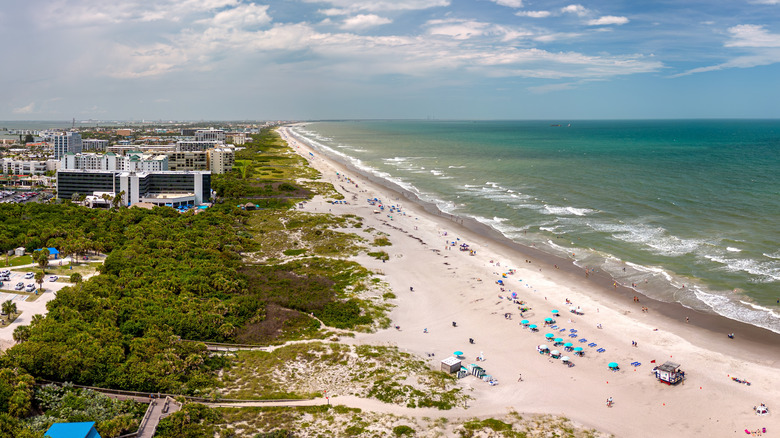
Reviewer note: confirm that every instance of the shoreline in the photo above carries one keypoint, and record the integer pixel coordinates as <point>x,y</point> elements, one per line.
<point>750,338</point>
<point>453,286</point>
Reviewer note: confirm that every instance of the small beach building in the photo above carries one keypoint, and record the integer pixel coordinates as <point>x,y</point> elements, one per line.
<point>450,365</point>
<point>73,430</point>
<point>52,252</point>
<point>669,373</point>
<point>19,251</point>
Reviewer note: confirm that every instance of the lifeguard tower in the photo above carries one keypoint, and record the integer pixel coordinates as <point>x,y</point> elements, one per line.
<point>669,373</point>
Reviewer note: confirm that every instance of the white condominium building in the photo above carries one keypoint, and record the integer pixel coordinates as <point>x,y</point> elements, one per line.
<point>64,142</point>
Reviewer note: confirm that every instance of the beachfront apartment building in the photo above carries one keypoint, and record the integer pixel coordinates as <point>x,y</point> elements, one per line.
<point>197,145</point>
<point>210,134</point>
<point>221,160</point>
<point>189,160</point>
<point>94,144</point>
<point>159,188</point>
<point>133,161</point>
<point>28,167</point>
<point>64,142</point>
<point>238,138</point>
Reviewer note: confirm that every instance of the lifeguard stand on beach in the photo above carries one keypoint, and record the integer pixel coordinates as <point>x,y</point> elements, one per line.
<point>669,373</point>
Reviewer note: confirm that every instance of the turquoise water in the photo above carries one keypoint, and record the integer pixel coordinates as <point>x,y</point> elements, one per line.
<point>659,204</point>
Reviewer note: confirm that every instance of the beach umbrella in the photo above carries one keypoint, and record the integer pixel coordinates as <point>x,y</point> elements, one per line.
<point>543,347</point>
<point>612,365</point>
<point>458,353</point>
<point>565,358</point>
<point>525,321</point>
<point>559,340</point>
<point>548,319</point>
<point>577,349</point>
<point>532,326</point>
<point>554,311</point>
<point>568,344</point>
<point>555,352</point>
<point>549,336</point>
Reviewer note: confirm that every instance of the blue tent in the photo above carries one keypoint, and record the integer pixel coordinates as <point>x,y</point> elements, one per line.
<point>73,430</point>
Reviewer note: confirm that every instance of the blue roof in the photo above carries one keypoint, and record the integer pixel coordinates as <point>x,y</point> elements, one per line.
<point>73,430</point>
<point>52,251</point>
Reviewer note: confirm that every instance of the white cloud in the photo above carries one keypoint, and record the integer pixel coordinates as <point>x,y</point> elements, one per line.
<point>751,35</point>
<point>533,14</point>
<point>575,9</point>
<point>457,29</point>
<point>766,2</point>
<point>27,109</point>
<point>759,45</point>
<point>364,21</point>
<point>608,20</point>
<point>509,3</point>
<point>242,16</point>
<point>383,5</point>
<point>558,36</point>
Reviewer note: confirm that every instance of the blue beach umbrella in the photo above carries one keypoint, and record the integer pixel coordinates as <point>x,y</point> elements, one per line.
<point>558,340</point>
<point>577,349</point>
<point>548,319</point>
<point>532,326</point>
<point>524,322</point>
<point>554,312</point>
<point>612,365</point>
<point>549,335</point>
<point>568,344</point>
<point>458,353</point>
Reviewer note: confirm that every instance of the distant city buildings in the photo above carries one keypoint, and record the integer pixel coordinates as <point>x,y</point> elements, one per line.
<point>132,162</point>
<point>94,144</point>
<point>64,142</point>
<point>210,134</point>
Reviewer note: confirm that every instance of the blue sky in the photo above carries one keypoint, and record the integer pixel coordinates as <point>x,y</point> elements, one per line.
<point>315,59</point>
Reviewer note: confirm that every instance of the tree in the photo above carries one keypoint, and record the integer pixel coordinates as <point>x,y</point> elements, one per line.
<point>9,307</point>
<point>21,333</point>
<point>75,277</point>
<point>42,258</point>
<point>118,199</point>
<point>29,139</point>
<point>39,279</point>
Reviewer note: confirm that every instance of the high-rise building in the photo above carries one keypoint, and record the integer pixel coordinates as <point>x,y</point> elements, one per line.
<point>94,144</point>
<point>210,134</point>
<point>64,142</point>
<point>221,160</point>
<point>160,188</point>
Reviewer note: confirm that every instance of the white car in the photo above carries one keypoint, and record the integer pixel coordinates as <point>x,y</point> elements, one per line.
<point>53,278</point>
<point>29,275</point>
<point>29,288</point>
<point>19,286</point>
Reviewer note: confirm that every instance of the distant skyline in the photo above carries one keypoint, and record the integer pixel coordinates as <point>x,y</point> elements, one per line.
<point>354,59</point>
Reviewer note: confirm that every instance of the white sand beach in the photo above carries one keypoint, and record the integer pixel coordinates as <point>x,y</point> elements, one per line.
<point>451,285</point>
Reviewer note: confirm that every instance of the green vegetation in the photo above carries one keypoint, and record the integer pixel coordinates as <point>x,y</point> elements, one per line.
<point>403,430</point>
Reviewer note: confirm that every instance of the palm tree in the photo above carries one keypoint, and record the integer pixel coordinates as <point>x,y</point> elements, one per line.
<point>9,307</point>
<point>21,333</point>
<point>39,279</point>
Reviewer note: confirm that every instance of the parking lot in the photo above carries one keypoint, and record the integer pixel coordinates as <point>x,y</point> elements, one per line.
<point>27,308</point>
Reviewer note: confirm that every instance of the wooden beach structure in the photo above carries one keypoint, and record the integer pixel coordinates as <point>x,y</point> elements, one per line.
<point>450,365</point>
<point>669,373</point>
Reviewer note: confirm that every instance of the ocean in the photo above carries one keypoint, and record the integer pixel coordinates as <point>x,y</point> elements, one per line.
<point>686,210</point>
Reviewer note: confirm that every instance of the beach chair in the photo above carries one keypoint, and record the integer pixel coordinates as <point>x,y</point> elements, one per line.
<point>553,326</point>
<point>572,335</point>
<point>583,340</point>
<point>573,331</point>
<point>600,350</point>
<point>636,364</point>
<point>592,344</point>
<point>562,330</point>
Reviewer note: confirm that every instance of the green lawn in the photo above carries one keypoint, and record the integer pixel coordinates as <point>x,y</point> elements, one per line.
<point>18,260</point>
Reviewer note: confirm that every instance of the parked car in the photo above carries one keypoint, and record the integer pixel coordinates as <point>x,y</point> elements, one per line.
<point>19,286</point>
<point>53,278</point>
<point>29,275</point>
<point>29,288</point>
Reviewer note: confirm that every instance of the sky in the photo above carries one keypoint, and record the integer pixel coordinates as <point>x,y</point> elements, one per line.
<point>408,59</point>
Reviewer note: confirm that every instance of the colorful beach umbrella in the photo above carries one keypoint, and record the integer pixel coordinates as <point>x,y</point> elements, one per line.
<point>559,340</point>
<point>548,319</point>
<point>612,365</point>
<point>565,358</point>
<point>524,322</point>
<point>568,344</point>
<point>543,347</point>
<point>458,353</point>
<point>577,349</point>
<point>532,326</point>
<point>549,336</point>
<point>554,311</point>
<point>555,352</point>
